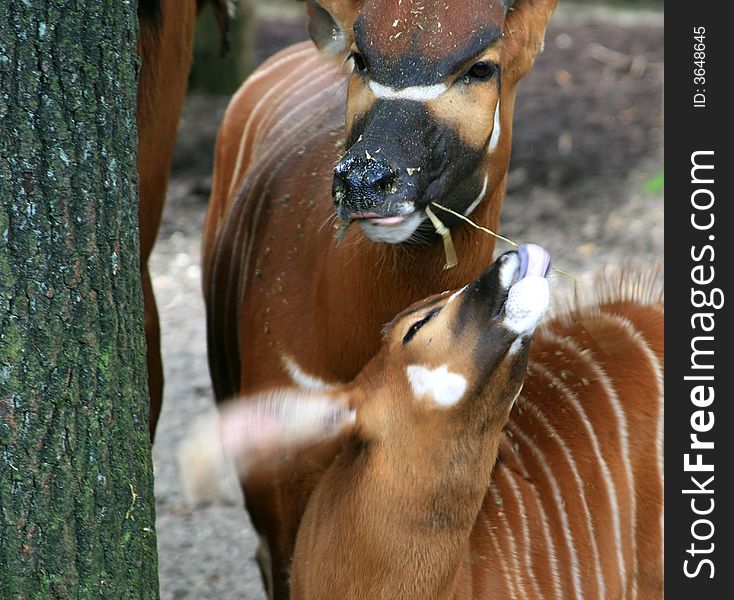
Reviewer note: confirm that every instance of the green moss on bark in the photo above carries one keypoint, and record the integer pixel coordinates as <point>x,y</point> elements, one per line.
<point>76,482</point>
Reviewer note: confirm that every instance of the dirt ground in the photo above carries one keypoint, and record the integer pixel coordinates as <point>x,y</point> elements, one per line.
<point>585,183</point>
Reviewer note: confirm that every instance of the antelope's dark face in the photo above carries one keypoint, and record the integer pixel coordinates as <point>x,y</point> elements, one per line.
<point>429,105</point>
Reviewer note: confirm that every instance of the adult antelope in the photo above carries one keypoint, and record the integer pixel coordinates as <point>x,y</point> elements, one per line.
<point>443,489</point>
<point>412,101</point>
<point>165,45</point>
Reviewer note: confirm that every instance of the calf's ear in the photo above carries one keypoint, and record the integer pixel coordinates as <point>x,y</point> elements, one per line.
<point>257,429</point>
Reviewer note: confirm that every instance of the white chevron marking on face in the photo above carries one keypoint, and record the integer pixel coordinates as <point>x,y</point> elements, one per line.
<point>476,202</point>
<point>440,385</point>
<point>421,93</point>
<point>455,295</point>
<point>495,139</point>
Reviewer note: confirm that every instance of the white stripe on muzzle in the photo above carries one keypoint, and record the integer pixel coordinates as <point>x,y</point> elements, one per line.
<point>422,93</point>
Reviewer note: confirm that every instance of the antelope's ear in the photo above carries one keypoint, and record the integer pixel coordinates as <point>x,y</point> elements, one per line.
<point>256,429</point>
<point>523,34</point>
<point>330,24</point>
<point>223,10</point>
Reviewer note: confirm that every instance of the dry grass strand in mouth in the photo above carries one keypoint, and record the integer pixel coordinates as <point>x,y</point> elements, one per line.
<point>452,259</point>
<point>448,244</point>
<point>473,224</point>
<point>435,219</point>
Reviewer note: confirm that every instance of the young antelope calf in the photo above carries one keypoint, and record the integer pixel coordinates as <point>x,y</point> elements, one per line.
<point>454,480</point>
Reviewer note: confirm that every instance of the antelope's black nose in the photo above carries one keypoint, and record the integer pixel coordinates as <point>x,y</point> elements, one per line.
<point>363,183</point>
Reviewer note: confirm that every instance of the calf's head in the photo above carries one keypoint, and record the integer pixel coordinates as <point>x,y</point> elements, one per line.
<point>449,366</point>
<point>430,102</point>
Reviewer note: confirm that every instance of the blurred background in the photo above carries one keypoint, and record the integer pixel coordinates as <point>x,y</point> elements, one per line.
<point>586,181</point>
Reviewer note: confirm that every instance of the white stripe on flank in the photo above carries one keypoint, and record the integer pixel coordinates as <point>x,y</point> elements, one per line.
<point>501,557</point>
<point>274,118</point>
<point>643,344</point>
<point>603,379</point>
<point>266,100</point>
<point>554,434</point>
<point>495,139</point>
<point>265,70</point>
<point>560,505</point>
<point>637,337</point>
<point>421,93</point>
<point>550,544</point>
<point>520,503</point>
<point>585,422</point>
<point>269,165</point>
<point>517,582</point>
<point>476,202</point>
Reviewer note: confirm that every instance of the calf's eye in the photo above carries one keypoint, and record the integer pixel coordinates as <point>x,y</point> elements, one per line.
<point>418,324</point>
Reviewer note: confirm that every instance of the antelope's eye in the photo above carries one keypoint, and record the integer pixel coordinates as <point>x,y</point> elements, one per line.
<point>359,63</point>
<point>418,324</point>
<point>481,71</point>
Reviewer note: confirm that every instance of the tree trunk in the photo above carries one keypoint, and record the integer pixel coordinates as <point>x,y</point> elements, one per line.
<point>76,480</point>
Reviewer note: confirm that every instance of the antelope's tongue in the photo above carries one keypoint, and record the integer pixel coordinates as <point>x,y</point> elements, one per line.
<point>534,261</point>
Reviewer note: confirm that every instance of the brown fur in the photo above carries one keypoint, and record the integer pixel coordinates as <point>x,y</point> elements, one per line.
<point>557,496</point>
<point>422,504</point>
<point>275,284</point>
<point>434,27</point>
<point>165,45</point>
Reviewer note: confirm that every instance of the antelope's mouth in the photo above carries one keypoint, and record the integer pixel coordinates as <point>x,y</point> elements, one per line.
<point>393,226</point>
<point>534,262</point>
<point>392,212</point>
<point>524,276</point>
<point>375,219</point>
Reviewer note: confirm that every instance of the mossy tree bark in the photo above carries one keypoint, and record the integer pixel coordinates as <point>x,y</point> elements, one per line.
<point>76,481</point>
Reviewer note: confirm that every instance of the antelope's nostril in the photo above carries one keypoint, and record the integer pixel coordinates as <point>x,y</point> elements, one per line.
<point>383,180</point>
<point>370,175</point>
<point>338,187</point>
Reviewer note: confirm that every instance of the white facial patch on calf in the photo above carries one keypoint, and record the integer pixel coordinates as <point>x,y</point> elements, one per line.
<point>440,385</point>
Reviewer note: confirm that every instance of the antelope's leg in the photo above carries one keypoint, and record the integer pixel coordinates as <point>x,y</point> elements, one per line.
<point>165,46</point>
